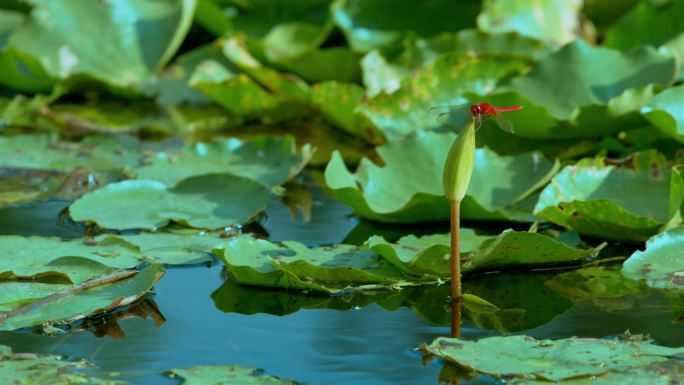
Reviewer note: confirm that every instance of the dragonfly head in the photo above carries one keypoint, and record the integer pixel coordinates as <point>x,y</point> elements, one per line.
<point>476,110</point>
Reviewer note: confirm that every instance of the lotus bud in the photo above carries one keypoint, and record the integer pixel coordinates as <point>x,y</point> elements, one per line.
<point>458,168</point>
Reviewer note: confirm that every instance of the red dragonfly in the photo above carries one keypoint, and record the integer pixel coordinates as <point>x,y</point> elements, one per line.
<point>479,112</point>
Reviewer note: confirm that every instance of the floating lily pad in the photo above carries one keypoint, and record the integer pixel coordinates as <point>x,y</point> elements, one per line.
<point>134,53</point>
<point>292,265</point>
<point>227,375</point>
<point>45,152</point>
<point>408,189</point>
<point>629,201</point>
<point>15,294</point>
<point>94,297</point>
<point>593,283</point>
<point>524,357</point>
<point>430,254</point>
<point>662,263</point>
<point>443,81</point>
<point>269,160</point>
<point>176,248</point>
<point>76,260</point>
<point>32,369</point>
<point>560,24</point>
<point>207,201</point>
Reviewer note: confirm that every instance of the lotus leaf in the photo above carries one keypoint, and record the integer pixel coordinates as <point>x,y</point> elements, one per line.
<point>661,263</point>
<point>227,375</point>
<point>382,23</point>
<point>566,97</point>
<point>429,255</point>
<point>86,299</point>
<point>346,97</point>
<point>626,201</point>
<point>471,41</point>
<point>134,53</point>
<point>665,112</point>
<point>45,152</point>
<point>524,357</point>
<point>31,369</point>
<point>76,260</point>
<point>408,188</point>
<point>268,160</point>
<point>559,24</point>
<point>443,81</point>
<point>206,201</point>
<point>379,76</point>
<point>176,248</point>
<point>636,28</point>
<point>292,265</point>
<point>15,294</point>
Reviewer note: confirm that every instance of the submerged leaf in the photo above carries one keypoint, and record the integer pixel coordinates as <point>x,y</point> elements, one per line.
<point>662,263</point>
<point>408,189</point>
<point>227,375</point>
<point>524,357</point>
<point>629,201</point>
<point>207,201</point>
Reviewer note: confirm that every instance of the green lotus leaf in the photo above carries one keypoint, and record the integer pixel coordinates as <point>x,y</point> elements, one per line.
<point>408,189</point>
<point>441,82</point>
<point>289,41</point>
<point>77,260</point>
<point>661,263</point>
<point>560,24</point>
<point>571,78</point>
<point>429,255</point>
<point>206,201</point>
<point>291,265</point>
<point>658,373</point>
<point>629,201</point>
<point>32,369</point>
<point>550,360</point>
<point>15,294</point>
<point>236,92</point>
<point>379,76</point>
<point>134,52</point>
<point>636,28</point>
<point>24,75</point>
<point>325,64</point>
<point>269,160</point>
<point>26,186</point>
<point>283,86</point>
<point>665,112</point>
<point>338,102</point>
<point>382,24</point>
<point>86,299</point>
<point>226,375</point>
<point>45,152</point>
<point>471,41</point>
<point>620,113</point>
<point>180,247</point>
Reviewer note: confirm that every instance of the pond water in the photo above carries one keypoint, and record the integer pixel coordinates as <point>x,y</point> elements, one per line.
<point>361,346</point>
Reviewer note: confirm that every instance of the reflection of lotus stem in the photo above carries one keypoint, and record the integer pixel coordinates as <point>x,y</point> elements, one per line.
<point>455,260</point>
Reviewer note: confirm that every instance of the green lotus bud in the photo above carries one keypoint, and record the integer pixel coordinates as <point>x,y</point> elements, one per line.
<point>459,164</point>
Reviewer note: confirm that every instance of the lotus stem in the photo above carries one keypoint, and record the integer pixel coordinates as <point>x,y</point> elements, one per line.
<point>455,260</point>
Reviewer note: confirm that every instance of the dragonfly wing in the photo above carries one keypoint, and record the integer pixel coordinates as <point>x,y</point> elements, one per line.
<point>451,115</point>
<point>504,124</point>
